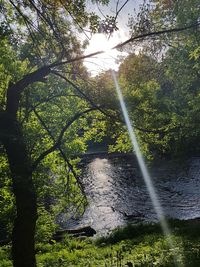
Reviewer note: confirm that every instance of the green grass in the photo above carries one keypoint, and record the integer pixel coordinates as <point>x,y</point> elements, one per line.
<point>141,245</point>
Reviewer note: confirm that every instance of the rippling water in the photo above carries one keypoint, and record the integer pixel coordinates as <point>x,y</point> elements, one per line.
<point>117,194</point>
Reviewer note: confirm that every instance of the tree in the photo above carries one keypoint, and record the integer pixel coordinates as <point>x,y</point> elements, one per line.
<point>48,37</point>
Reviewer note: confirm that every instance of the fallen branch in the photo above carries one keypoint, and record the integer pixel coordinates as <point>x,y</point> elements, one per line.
<point>81,231</point>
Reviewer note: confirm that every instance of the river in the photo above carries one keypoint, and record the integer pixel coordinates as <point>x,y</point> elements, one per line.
<point>117,194</point>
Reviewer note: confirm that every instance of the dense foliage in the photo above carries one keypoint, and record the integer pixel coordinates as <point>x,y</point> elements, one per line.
<point>160,82</point>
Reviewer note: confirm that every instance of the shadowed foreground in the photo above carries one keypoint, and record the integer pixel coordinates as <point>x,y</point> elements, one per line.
<point>141,245</point>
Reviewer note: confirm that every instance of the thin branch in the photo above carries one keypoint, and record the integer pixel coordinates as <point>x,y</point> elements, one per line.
<point>46,100</point>
<point>114,118</point>
<point>75,20</point>
<point>70,166</point>
<point>118,11</point>
<point>56,64</point>
<point>57,143</point>
<point>97,4</point>
<point>34,38</point>
<point>29,22</point>
<point>25,18</point>
<point>80,92</point>
<point>49,23</point>
<point>14,91</point>
<point>117,6</point>
<point>150,34</point>
<point>134,38</point>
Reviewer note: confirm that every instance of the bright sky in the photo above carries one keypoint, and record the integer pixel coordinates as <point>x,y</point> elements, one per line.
<point>100,42</point>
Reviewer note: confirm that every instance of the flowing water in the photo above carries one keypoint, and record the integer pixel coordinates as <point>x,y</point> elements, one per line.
<point>117,193</point>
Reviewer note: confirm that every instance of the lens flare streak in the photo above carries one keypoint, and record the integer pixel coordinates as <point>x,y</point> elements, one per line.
<point>147,179</point>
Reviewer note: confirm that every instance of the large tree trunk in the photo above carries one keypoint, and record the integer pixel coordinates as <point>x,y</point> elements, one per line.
<point>23,251</point>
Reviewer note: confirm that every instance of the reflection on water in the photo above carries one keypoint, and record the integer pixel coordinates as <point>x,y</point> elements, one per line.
<point>117,194</point>
<point>102,195</point>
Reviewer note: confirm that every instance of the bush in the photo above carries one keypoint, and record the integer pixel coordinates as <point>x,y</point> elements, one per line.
<point>45,226</point>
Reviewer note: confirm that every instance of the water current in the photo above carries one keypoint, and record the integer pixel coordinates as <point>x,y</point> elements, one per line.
<point>117,194</point>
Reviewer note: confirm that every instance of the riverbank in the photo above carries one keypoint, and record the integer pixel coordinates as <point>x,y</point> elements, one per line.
<point>133,245</point>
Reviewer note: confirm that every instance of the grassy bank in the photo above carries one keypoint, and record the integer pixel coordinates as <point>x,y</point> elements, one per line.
<point>141,245</point>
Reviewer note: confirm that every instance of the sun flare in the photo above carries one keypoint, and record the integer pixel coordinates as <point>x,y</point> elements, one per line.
<point>106,60</point>
<point>100,42</point>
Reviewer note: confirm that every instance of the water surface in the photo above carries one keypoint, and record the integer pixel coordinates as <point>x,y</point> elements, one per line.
<point>117,194</point>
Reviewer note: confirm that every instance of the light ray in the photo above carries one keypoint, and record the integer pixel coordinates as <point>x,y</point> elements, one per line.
<point>147,179</point>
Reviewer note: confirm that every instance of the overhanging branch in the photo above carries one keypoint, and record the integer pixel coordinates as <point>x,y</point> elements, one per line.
<point>134,38</point>
<point>150,34</point>
<point>70,166</point>
<point>88,99</point>
<point>15,90</point>
<point>57,143</point>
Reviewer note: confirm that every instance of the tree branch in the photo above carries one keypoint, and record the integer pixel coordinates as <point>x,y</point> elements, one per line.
<point>14,90</point>
<point>57,143</point>
<point>70,166</point>
<point>80,92</point>
<point>46,100</point>
<point>150,34</point>
<point>134,38</point>
<point>114,118</point>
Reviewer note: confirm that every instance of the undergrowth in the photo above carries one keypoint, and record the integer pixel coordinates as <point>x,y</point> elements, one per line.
<point>141,245</point>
